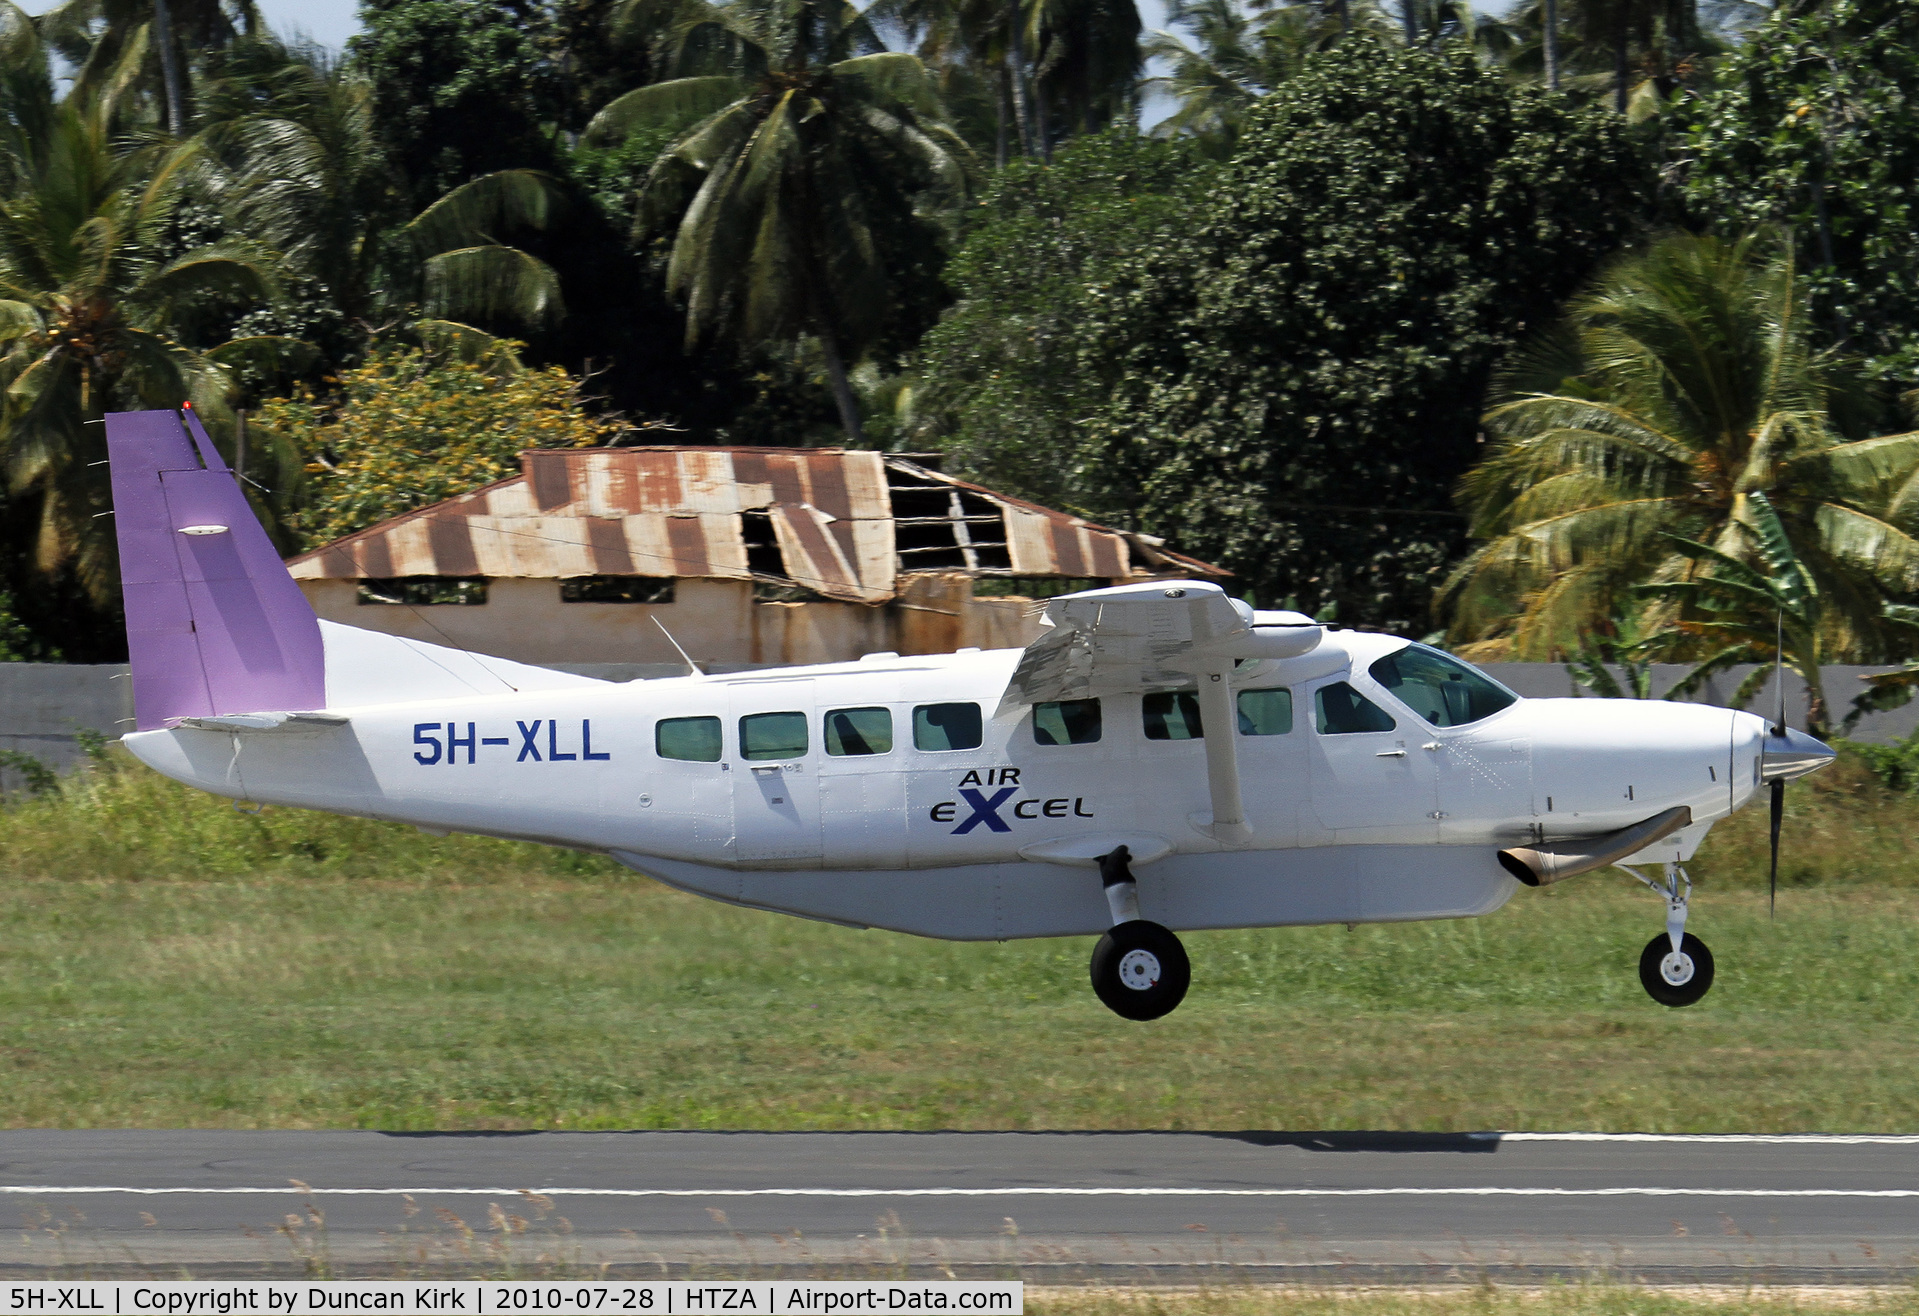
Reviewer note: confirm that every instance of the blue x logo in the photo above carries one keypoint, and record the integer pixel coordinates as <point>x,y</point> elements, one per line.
<point>984,811</point>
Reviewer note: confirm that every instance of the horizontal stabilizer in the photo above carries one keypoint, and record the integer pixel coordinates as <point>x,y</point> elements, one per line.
<point>280,722</point>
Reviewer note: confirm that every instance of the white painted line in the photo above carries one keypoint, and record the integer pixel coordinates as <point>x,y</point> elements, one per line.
<point>1784,1139</point>
<point>49,1190</point>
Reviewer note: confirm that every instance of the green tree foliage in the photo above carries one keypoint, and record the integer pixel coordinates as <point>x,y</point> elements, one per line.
<point>90,304</point>
<point>1232,59</point>
<point>411,427</point>
<point>461,88</point>
<point>1007,378</point>
<point>1814,123</point>
<point>803,134</point>
<point>288,154</point>
<point>1293,387</point>
<point>104,40</point>
<point>1760,606</point>
<point>1685,382</point>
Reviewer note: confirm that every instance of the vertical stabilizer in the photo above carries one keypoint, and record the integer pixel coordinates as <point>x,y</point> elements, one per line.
<point>214,622</point>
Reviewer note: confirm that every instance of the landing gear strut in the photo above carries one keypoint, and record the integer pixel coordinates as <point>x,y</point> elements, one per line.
<point>1140,970</point>
<point>1675,968</point>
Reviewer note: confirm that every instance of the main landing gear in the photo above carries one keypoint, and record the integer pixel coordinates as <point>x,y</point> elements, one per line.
<point>1140,970</point>
<point>1675,968</point>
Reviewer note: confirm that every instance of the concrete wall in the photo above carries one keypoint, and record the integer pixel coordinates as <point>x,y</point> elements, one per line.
<point>717,621</point>
<point>1550,681</point>
<point>42,705</point>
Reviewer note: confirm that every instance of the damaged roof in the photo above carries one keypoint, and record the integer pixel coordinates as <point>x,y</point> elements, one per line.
<point>845,524</point>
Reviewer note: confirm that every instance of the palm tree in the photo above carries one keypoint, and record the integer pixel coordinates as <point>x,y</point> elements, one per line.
<point>1745,611</point>
<point>1633,52</point>
<point>287,152</point>
<point>1235,58</point>
<point>90,301</point>
<point>1682,384</point>
<point>96,35</point>
<point>795,112</point>
<point>1088,62</point>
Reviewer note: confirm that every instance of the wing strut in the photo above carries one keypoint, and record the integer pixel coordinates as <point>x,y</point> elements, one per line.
<point>1220,719</point>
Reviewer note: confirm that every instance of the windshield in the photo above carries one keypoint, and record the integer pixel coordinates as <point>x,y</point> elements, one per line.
<point>1441,689</point>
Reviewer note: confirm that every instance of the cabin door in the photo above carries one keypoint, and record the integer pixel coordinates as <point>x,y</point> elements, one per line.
<point>1374,780</point>
<point>776,784</point>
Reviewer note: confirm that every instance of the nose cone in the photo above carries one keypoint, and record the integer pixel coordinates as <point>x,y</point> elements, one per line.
<point>1788,754</point>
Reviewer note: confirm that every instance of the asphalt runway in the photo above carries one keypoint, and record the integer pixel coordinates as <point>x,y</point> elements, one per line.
<point>1170,1207</point>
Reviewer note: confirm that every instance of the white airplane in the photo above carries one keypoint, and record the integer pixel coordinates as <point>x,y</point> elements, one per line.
<point>1162,757</point>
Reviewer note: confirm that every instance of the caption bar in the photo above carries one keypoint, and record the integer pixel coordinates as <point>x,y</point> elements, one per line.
<point>517,1297</point>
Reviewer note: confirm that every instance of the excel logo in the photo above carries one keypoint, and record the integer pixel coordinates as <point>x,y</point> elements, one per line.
<point>990,811</point>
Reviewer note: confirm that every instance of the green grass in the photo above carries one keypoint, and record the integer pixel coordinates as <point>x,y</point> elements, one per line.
<point>165,961</point>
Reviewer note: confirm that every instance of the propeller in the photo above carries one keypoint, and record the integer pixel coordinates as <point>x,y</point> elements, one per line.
<point>1778,815</point>
<point>1778,783</point>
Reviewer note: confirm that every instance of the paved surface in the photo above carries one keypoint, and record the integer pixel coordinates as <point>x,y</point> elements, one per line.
<point>1055,1205</point>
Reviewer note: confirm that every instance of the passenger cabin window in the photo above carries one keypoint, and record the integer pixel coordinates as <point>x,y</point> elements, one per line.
<point>1066,722</point>
<point>1171,715</point>
<point>947,726</point>
<point>1439,688</point>
<point>773,736</point>
<point>694,739</point>
<point>1265,712</point>
<point>852,731</point>
<point>1343,711</point>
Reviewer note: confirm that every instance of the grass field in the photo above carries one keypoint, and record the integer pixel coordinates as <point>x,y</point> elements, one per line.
<point>165,961</point>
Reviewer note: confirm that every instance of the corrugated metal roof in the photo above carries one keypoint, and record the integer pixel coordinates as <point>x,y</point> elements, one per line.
<point>845,524</point>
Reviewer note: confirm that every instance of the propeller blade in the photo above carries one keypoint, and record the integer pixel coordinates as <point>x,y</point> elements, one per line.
<point>1778,815</point>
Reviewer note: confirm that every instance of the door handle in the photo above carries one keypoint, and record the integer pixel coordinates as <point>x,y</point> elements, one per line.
<point>1390,754</point>
<point>764,769</point>
<point>1431,744</point>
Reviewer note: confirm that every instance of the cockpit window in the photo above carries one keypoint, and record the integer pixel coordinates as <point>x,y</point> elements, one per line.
<point>1441,689</point>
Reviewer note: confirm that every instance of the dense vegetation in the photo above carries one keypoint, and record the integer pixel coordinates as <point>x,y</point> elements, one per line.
<point>1585,324</point>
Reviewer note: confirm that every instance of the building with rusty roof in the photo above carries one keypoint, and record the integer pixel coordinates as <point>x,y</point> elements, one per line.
<point>746,556</point>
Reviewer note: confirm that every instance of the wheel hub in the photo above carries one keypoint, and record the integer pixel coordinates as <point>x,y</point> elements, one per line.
<point>1139,969</point>
<point>1676,968</point>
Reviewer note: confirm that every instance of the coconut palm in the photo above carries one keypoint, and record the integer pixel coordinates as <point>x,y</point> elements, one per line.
<point>1233,59</point>
<point>1683,383</point>
<point>795,115</point>
<point>1630,52</point>
<point>90,301</point>
<point>1768,610</point>
<point>95,36</point>
<point>1087,63</point>
<point>287,152</point>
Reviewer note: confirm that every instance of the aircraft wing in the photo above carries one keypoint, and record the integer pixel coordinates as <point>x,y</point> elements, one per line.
<point>1144,637</point>
<point>1168,633</point>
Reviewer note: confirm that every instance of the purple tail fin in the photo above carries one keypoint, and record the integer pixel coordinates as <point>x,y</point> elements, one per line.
<point>214,622</point>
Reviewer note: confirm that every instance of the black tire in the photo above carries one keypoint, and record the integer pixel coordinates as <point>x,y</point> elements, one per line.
<point>1162,960</point>
<point>1655,983</point>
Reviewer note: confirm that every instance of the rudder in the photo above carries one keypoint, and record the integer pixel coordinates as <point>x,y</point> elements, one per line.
<point>215,624</point>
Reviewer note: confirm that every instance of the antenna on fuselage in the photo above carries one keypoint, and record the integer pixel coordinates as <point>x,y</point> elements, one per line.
<point>692,666</point>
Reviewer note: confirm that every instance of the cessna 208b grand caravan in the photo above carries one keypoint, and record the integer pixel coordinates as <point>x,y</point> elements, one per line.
<point>1162,757</point>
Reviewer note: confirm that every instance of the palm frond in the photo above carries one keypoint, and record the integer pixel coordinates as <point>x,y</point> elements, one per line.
<point>668,104</point>
<point>487,210</point>
<point>493,283</point>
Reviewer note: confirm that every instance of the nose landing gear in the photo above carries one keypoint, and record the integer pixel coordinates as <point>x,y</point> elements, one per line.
<point>1139,968</point>
<point>1675,968</point>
